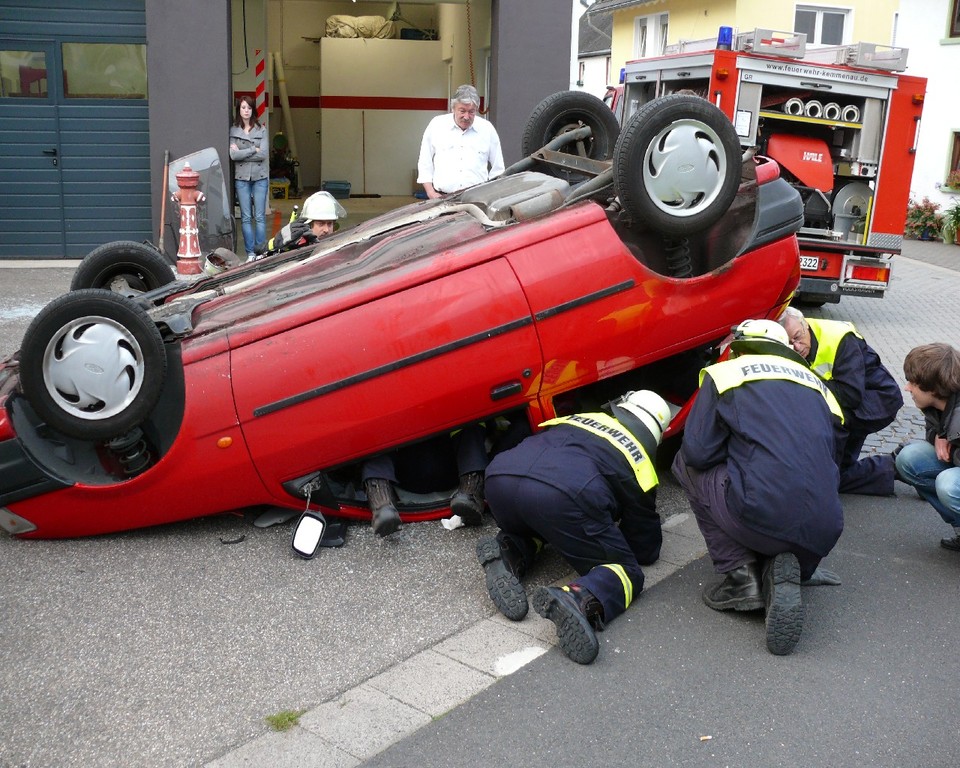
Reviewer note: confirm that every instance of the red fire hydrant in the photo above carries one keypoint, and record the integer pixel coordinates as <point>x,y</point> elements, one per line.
<point>188,196</point>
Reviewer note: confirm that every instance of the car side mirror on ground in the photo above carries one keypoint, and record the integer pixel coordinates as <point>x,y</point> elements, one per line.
<point>308,533</point>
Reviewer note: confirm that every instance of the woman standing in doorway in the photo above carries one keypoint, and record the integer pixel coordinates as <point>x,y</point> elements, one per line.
<point>251,172</point>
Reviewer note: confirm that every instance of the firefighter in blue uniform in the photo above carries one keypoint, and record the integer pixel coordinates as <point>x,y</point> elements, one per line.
<point>569,486</point>
<point>867,392</point>
<point>758,463</point>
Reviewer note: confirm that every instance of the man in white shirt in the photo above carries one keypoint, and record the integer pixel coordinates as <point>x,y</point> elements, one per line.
<point>458,148</point>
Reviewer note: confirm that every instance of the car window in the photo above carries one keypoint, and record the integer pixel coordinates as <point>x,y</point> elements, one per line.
<point>393,250</point>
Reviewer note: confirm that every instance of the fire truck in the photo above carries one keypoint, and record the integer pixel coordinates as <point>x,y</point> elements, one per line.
<point>841,122</point>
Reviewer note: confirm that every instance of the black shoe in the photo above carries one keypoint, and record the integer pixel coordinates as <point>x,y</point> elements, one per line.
<point>468,500</point>
<point>785,611</point>
<point>571,614</point>
<point>739,591</point>
<point>385,518</point>
<point>503,586</point>
<point>951,542</point>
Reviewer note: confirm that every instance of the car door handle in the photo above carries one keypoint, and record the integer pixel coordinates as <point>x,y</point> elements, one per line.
<point>51,151</point>
<point>505,390</point>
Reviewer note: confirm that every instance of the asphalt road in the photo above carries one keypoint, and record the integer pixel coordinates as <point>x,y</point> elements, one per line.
<point>169,646</point>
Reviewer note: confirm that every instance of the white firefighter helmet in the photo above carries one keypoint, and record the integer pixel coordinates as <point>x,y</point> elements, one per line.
<point>763,337</point>
<point>322,206</point>
<point>761,329</point>
<point>220,260</point>
<point>650,408</point>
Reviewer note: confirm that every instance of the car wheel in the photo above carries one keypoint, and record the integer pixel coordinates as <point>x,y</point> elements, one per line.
<point>567,111</point>
<point>124,267</point>
<point>677,165</point>
<point>92,364</point>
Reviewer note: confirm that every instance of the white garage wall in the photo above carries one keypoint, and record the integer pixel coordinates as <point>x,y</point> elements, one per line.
<point>376,149</point>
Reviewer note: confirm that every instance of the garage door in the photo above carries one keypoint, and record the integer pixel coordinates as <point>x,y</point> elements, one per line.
<point>74,133</point>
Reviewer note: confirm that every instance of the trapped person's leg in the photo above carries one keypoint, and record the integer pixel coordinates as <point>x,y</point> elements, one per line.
<point>472,460</point>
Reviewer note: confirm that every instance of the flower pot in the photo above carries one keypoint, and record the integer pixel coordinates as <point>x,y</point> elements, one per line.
<point>926,234</point>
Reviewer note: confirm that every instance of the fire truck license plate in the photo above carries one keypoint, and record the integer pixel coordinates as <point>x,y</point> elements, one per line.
<point>809,262</point>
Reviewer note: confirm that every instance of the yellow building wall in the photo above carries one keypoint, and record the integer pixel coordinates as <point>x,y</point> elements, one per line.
<point>697,20</point>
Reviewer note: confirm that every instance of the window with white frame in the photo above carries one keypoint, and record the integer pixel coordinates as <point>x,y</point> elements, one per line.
<point>823,26</point>
<point>650,35</point>
<point>953,174</point>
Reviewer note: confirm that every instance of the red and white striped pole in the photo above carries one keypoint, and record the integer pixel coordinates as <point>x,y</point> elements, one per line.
<point>261,97</point>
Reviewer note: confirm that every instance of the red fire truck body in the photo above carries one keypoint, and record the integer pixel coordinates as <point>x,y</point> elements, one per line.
<point>840,121</point>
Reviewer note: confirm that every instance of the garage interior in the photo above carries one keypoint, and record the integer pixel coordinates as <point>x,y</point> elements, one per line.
<point>352,85</point>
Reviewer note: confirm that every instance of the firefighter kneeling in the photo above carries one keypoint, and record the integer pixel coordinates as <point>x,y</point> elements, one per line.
<point>758,463</point>
<point>569,486</point>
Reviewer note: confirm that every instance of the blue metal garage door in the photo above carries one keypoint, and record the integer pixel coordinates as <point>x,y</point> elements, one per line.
<point>74,132</point>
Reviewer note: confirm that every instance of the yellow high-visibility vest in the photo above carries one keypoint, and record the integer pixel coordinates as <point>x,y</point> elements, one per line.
<point>740,370</point>
<point>611,430</point>
<point>829,334</point>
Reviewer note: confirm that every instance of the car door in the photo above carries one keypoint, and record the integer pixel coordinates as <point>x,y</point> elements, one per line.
<point>591,301</point>
<point>410,363</point>
<point>31,196</point>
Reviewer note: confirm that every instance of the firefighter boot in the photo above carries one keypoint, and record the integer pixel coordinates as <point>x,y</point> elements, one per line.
<point>739,591</point>
<point>502,577</point>
<point>385,518</point>
<point>578,616</point>
<point>468,500</point>
<point>785,611</point>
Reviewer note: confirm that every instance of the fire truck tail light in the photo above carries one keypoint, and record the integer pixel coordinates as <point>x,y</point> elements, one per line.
<point>918,98</point>
<point>722,73</point>
<point>868,274</point>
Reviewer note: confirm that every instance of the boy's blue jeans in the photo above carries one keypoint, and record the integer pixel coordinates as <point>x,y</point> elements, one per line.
<point>937,481</point>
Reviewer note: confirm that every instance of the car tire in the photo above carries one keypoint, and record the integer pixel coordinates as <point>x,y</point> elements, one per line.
<point>677,165</point>
<point>92,364</point>
<point>567,111</point>
<point>125,267</point>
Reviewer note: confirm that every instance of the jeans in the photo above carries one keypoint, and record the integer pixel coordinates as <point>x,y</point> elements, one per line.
<point>937,481</point>
<point>252,198</point>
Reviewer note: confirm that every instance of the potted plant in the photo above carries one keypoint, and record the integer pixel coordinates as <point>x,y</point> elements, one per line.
<point>951,223</point>
<point>923,219</point>
<point>953,180</point>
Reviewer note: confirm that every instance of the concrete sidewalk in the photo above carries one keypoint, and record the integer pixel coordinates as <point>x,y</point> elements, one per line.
<point>367,719</point>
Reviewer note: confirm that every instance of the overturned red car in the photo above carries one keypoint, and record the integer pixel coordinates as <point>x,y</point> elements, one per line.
<point>602,262</point>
